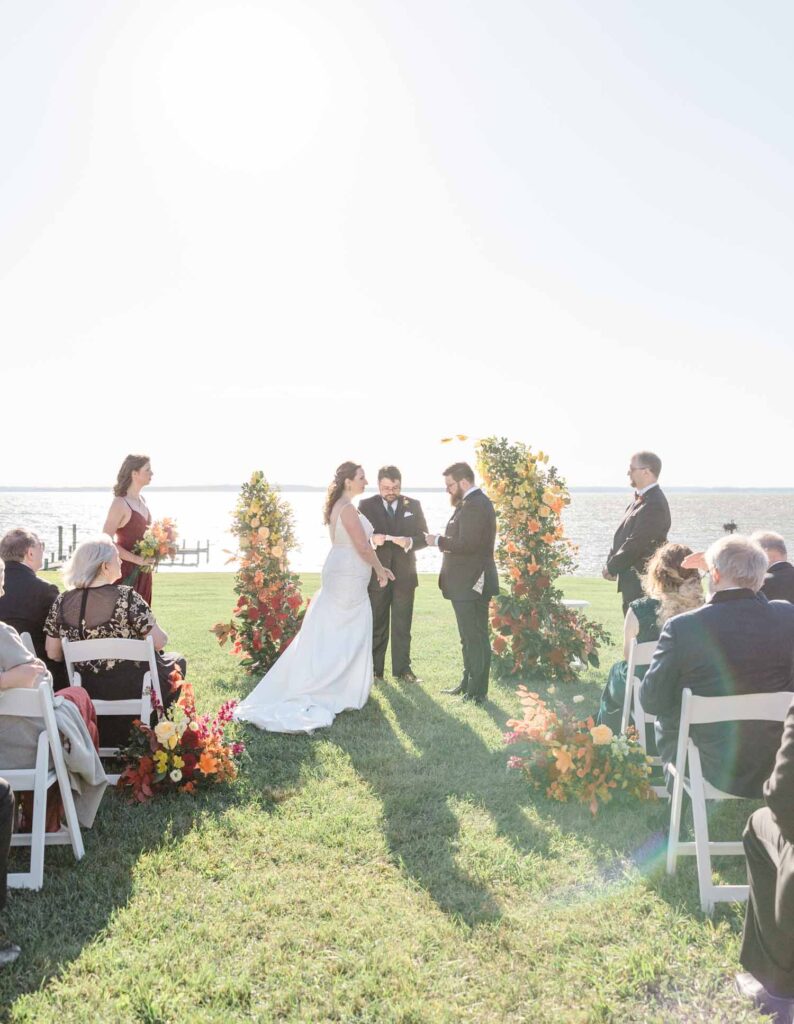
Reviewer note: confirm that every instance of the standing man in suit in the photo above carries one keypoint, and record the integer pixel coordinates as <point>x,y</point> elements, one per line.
<point>27,599</point>
<point>468,575</point>
<point>402,520</point>
<point>736,643</point>
<point>779,579</point>
<point>768,940</point>
<point>642,530</point>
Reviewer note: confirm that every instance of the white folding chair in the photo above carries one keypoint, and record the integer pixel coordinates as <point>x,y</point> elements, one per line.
<point>642,721</point>
<point>640,655</point>
<point>117,649</point>
<point>38,704</point>
<point>765,707</point>
<point>27,640</point>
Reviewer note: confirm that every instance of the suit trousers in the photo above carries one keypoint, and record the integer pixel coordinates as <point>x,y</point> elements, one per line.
<point>631,588</point>
<point>472,618</point>
<point>6,825</point>
<point>768,939</point>
<point>395,603</point>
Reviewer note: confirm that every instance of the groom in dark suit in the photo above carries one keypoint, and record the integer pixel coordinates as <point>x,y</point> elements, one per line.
<point>402,519</point>
<point>468,575</point>
<point>642,530</point>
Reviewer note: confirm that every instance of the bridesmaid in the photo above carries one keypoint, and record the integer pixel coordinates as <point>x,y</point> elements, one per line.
<point>128,519</point>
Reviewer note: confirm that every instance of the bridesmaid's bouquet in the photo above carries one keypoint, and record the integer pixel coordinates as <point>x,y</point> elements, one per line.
<point>184,752</point>
<point>158,542</point>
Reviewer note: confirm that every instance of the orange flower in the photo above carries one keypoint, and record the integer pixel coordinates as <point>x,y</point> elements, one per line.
<point>533,526</point>
<point>549,538</point>
<point>533,567</point>
<point>564,760</point>
<point>208,764</point>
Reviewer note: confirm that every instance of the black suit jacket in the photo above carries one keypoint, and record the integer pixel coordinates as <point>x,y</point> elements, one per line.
<point>468,548</point>
<point>25,606</point>
<point>779,796</point>
<point>779,582</point>
<point>409,521</point>
<point>737,643</point>
<point>642,530</point>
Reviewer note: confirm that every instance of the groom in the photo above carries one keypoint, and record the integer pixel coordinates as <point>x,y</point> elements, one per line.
<point>403,521</point>
<point>468,575</point>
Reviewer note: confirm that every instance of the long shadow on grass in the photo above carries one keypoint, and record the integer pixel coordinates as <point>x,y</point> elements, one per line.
<point>449,760</point>
<point>78,900</point>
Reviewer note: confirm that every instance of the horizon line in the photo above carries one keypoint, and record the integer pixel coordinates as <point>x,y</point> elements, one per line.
<point>234,488</point>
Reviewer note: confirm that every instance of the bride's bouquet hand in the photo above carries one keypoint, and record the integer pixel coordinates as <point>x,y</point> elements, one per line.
<point>384,575</point>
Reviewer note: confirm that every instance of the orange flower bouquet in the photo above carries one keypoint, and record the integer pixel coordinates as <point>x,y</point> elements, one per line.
<point>185,751</point>
<point>158,542</point>
<point>576,760</point>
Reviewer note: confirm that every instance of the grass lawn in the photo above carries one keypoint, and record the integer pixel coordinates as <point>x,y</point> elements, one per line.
<point>387,869</point>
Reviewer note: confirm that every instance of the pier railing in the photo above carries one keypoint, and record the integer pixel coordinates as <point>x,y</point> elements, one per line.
<point>185,556</point>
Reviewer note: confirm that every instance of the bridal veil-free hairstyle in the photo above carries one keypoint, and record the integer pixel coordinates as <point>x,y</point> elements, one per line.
<point>337,486</point>
<point>86,561</point>
<point>128,467</point>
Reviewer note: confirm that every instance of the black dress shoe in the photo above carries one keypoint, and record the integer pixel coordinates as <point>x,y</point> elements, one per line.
<point>750,987</point>
<point>408,677</point>
<point>455,691</point>
<point>377,679</point>
<point>8,951</point>
<point>472,699</point>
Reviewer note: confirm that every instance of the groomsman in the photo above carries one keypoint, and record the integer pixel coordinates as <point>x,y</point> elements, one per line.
<point>779,579</point>
<point>402,519</point>
<point>642,530</point>
<point>468,575</point>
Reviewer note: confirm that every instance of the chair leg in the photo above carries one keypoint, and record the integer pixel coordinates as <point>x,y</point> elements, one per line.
<point>39,815</point>
<point>675,823</point>
<point>703,856</point>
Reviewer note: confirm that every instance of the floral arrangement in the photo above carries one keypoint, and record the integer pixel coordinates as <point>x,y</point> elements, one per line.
<point>269,608</point>
<point>576,760</point>
<point>536,635</point>
<point>185,751</point>
<point>158,542</point>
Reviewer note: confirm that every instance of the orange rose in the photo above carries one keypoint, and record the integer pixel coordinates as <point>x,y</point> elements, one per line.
<point>208,764</point>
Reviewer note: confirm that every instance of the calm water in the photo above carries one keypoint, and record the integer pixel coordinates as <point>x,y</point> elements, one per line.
<point>206,515</point>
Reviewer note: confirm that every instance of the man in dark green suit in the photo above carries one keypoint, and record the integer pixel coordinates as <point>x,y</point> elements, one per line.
<point>468,575</point>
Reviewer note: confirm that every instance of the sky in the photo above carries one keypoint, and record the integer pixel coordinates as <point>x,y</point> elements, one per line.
<point>286,233</point>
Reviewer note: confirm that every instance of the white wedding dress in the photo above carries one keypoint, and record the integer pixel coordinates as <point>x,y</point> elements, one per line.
<point>328,666</point>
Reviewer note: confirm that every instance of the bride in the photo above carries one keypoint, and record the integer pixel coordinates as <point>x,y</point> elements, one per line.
<point>328,666</point>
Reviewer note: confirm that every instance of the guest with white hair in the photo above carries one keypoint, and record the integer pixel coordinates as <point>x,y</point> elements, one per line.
<point>95,607</point>
<point>779,579</point>
<point>738,642</point>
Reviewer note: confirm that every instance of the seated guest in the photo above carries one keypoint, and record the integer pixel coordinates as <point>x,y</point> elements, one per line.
<point>671,590</point>
<point>779,579</point>
<point>738,642</point>
<point>768,940</point>
<point>76,720</point>
<point>8,951</point>
<point>27,599</point>
<point>96,607</point>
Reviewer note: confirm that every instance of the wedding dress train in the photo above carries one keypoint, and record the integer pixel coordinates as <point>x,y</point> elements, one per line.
<point>328,666</point>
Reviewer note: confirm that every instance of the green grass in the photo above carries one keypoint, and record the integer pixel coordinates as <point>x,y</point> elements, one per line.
<point>387,869</point>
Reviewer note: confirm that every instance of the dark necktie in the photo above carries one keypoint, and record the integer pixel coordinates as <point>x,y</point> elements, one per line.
<point>391,511</point>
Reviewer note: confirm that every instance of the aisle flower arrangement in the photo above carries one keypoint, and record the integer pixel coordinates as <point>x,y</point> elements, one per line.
<point>158,542</point>
<point>184,752</point>
<point>535,634</point>
<point>578,761</point>
<point>269,608</point>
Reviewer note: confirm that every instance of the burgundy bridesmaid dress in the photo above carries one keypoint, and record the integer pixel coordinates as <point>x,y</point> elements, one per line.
<point>127,537</point>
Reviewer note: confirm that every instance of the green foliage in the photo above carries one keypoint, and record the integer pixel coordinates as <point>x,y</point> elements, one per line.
<point>269,612</point>
<point>537,636</point>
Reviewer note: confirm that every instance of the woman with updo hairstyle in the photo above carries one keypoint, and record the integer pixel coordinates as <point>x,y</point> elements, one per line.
<point>669,590</point>
<point>128,519</point>
<point>328,666</point>
<point>96,606</point>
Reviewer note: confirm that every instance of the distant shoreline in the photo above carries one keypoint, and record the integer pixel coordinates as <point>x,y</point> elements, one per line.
<point>287,488</point>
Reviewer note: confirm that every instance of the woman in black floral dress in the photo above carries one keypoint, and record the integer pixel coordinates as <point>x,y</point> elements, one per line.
<point>96,607</point>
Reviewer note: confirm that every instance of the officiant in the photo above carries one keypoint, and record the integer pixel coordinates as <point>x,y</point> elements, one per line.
<point>400,529</point>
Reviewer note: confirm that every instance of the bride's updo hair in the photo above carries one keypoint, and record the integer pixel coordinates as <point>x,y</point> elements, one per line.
<point>336,488</point>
